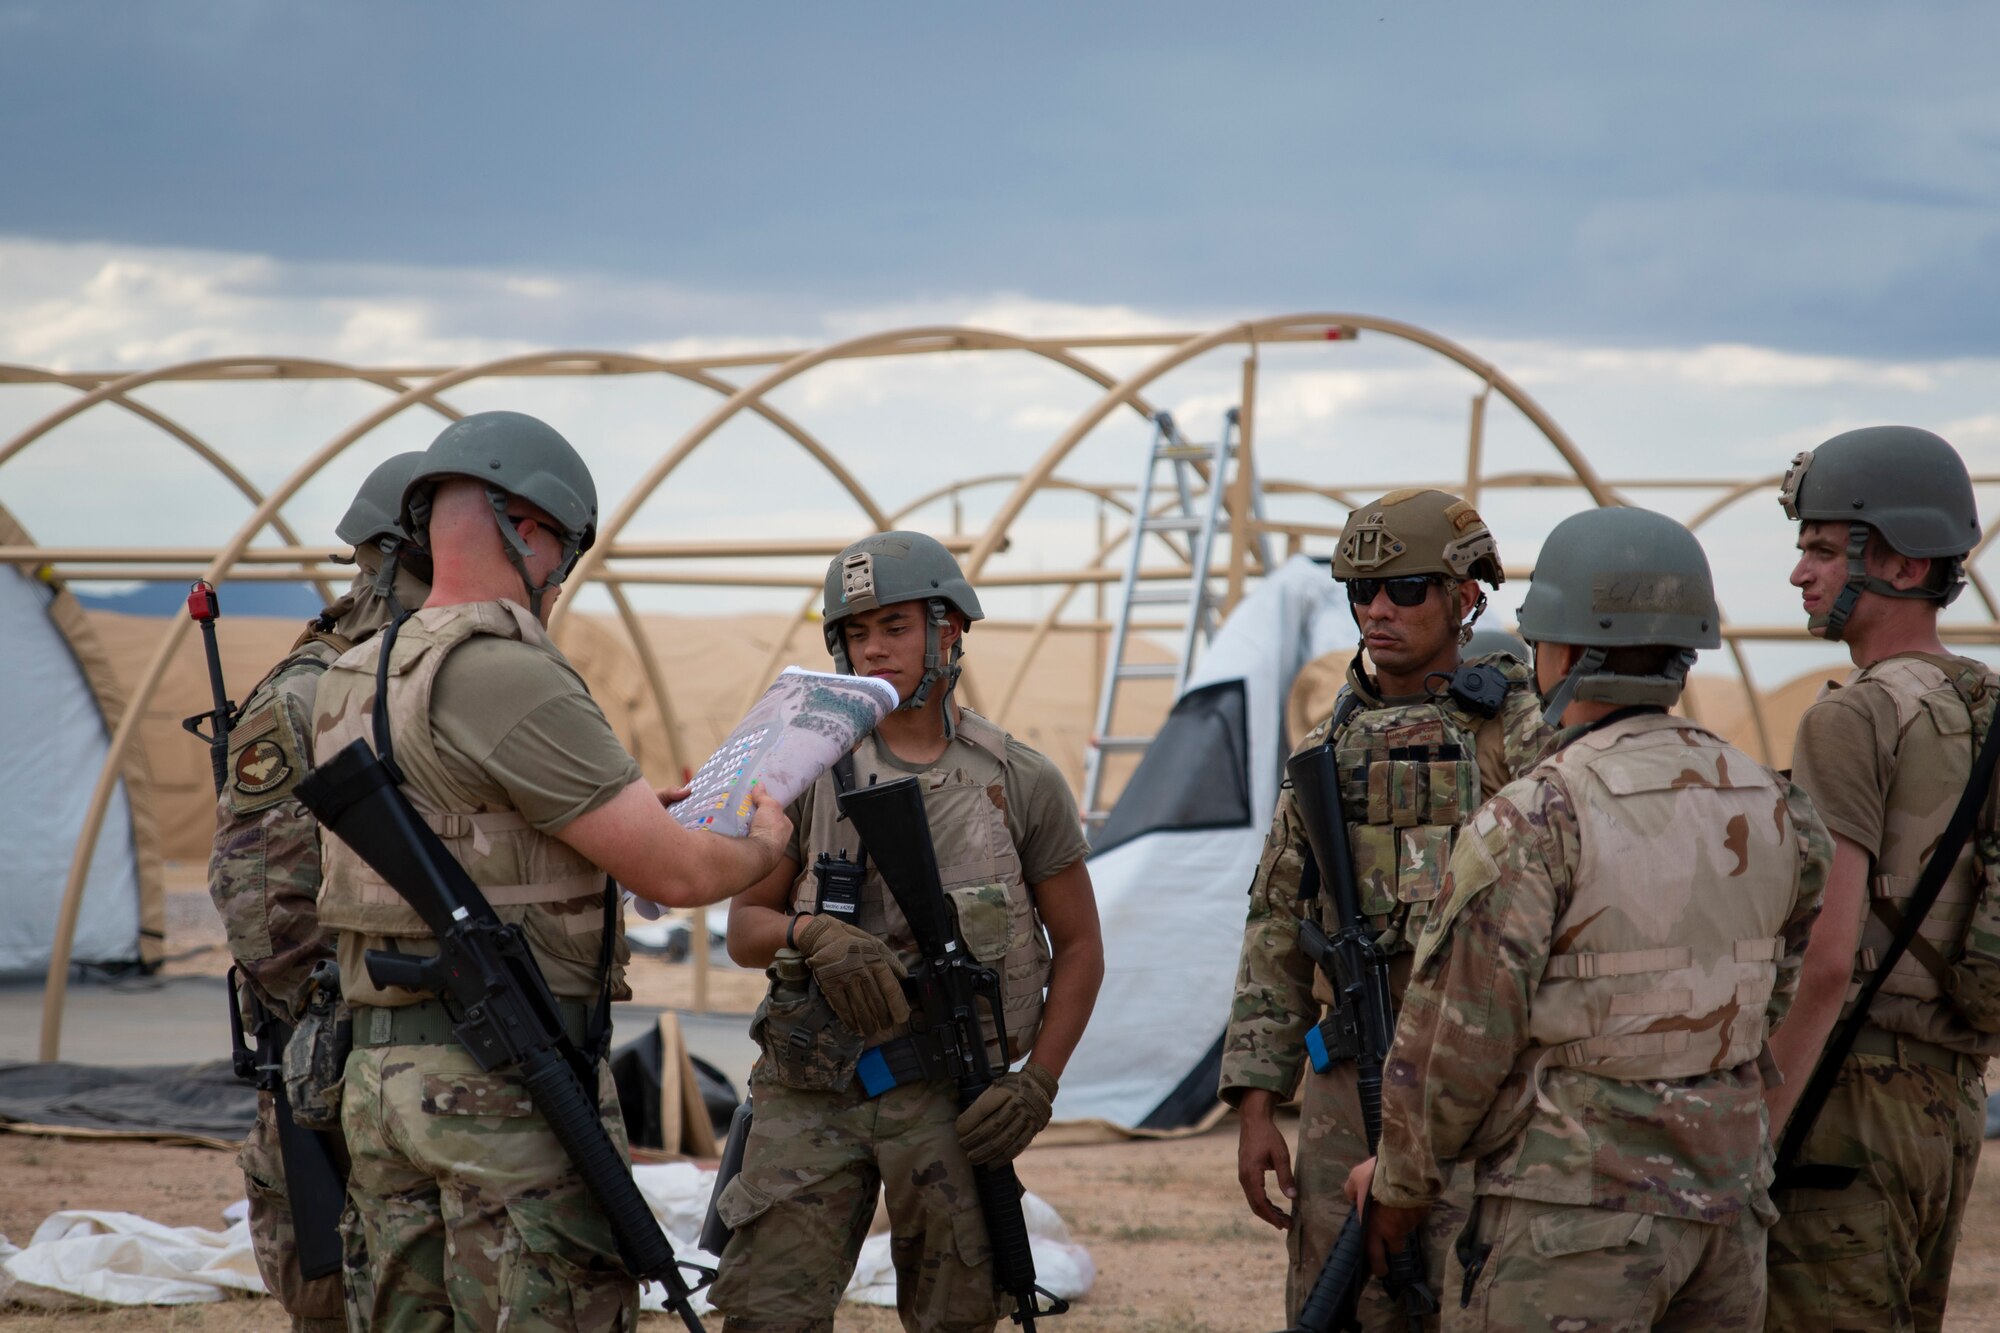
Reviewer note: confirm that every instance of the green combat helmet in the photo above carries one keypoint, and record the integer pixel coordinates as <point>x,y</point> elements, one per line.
<point>512,454</point>
<point>373,521</point>
<point>1616,578</point>
<point>1905,483</point>
<point>1419,532</point>
<point>892,567</point>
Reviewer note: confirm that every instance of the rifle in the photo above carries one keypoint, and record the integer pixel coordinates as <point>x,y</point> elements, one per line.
<point>488,980</point>
<point>1360,1028</point>
<point>314,1182</point>
<point>1791,1172</point>
<point>946,985</point>
<point>203,608</point>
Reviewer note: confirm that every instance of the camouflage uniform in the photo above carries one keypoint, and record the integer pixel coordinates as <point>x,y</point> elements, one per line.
<point>1592,1045</point>
<point>1909,1107</point>
<point>820,1148</point>
<point>470,1210</point>
<point>1404,814</point>
<point>264,877</point>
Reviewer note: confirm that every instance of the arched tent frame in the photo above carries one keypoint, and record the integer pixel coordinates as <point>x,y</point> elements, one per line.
<point>617,563</point>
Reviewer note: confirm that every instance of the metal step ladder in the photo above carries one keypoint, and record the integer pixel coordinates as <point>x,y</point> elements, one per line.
<point>1192,511</point>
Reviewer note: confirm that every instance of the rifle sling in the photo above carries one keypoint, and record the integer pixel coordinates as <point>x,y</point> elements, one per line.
<point>1922,898</point>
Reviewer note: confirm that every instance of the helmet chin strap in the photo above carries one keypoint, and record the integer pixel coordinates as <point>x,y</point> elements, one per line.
<point>518,552</point>
<point>936,669</point>
<point>1556,701</point>
<point>385,577</point>
<point>1465,629</point>
<point>1833,624</point>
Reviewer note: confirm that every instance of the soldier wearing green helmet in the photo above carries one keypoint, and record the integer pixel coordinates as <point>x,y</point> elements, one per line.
<point>1886,518</point>
<point>1422,739</point>
<point>264,868</point>
<point>467,1210</point>
<point>1010,851</point>
<point>1586,1023</point>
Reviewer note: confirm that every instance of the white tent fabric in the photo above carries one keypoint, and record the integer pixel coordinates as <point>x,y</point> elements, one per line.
<point>78,1259</point>
<point>1172,902</point>
<point>53,741</point>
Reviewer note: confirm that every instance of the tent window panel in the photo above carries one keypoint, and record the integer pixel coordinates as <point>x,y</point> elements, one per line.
<point>1196,773</point>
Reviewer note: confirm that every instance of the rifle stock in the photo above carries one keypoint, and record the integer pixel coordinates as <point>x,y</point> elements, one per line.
<point>948,986</point>
<point>504,1013</point>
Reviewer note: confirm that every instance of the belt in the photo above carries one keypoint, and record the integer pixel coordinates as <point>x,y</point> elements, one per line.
<point>1916,1051</point>
<point>426,1023</point>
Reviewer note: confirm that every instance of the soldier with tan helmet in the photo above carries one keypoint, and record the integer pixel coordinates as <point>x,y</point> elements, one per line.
<point>1886,518</point>
<point>468,1208</point>
<point>264,869</point>
<point>1422,741</point>
<point>1587,1019</point>
<point>1010,853</point>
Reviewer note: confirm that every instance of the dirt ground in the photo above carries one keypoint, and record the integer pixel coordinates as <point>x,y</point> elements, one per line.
<point>1175,1248</point>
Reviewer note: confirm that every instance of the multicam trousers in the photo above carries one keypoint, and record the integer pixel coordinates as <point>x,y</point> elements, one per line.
<point>1332,1143</point>
<point>471,1214</point>
<point>1597,1270</point>
<point>315,1306</point>
<point>801,1208</point>
<point>1877,1255</point>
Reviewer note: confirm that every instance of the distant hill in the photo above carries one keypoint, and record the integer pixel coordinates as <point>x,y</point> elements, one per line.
<point>287,601</point>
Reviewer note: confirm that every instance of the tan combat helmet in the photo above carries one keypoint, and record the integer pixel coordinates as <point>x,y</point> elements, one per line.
<point>1415,531</point>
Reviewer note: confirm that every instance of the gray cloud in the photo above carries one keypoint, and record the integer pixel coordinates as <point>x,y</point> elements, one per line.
<point>1821,179</point>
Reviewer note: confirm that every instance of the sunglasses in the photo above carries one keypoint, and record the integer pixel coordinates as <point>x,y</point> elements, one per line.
<point>1409,590</point>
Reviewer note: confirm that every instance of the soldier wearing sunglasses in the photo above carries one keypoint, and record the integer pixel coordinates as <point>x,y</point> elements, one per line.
<point>1421,745</point>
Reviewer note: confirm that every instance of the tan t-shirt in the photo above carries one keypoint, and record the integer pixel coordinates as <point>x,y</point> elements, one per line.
<point>1042,817</point>
<point>517,727</point>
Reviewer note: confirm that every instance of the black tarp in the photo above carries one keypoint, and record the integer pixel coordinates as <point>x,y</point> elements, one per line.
<point>1195,775</point>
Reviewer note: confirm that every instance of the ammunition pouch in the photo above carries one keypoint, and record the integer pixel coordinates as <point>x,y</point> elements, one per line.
<point>807,1047</point>
<point>315,1057</point>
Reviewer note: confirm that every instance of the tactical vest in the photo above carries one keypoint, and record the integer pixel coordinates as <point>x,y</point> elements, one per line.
<point>1687,869</point>
<point>532,879</point>
<point>978,865</point>
<point>1936,701</point>
<point>1409,776</point>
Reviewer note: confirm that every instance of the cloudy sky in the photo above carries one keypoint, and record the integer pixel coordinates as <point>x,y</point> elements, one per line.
<point>1704,235</point>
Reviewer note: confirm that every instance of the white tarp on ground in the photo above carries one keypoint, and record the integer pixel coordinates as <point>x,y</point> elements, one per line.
<point>81,1258</point>
<point>52,744</point>
<point>1172,902</point>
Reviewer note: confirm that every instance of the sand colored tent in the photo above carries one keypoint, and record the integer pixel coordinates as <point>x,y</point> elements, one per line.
<point>63,700</point>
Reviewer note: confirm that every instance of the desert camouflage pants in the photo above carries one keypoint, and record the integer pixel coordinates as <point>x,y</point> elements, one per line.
<point>1332,1143</point>
<point>801,1208</point>
<point>1877,1255</point>
<point>471,1215</point>
<point>1597,1270</point>
<point>315,1306</point>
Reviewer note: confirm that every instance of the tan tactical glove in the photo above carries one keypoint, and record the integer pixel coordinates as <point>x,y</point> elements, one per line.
<point>860,976</point>
<point>1007,1116</point>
